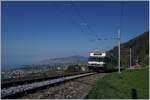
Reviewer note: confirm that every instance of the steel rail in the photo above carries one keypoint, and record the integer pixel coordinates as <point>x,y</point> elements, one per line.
<point>7,84</point>
<point>5,93</point>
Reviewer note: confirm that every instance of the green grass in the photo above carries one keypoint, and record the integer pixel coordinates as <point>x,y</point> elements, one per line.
<point>119,86</point>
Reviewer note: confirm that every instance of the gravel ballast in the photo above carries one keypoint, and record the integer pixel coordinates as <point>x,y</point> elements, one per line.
<point>74,89</point>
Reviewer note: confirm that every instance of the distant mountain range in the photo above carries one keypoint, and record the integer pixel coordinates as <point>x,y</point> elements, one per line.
<point>66,60</point>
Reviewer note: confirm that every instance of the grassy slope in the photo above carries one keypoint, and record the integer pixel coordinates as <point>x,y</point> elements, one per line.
<point>120,86</point>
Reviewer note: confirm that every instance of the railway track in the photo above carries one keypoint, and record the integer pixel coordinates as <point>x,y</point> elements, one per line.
<point>15,91</point>
<point>6,84</point>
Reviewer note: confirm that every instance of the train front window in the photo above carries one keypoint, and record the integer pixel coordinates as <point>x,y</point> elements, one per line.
<point>97,59</point>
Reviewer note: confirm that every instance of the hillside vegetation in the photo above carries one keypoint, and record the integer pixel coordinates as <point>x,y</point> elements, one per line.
<point>140,50</point>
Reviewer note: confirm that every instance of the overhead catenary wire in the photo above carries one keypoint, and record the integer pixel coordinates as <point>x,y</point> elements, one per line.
<point>84,21</point>
<point>86,24</point>
<point>92,31</point>
<point>77,10</point>
<point>70,19</point>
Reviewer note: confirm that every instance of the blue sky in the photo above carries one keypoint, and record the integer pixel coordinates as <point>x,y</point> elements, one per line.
<point>34,31</point>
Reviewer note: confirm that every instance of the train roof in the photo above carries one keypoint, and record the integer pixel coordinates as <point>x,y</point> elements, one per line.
<point>98,51</point>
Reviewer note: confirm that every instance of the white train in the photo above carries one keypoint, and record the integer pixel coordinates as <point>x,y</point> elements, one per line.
<point>96,60</point>
<point>100,61</point>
